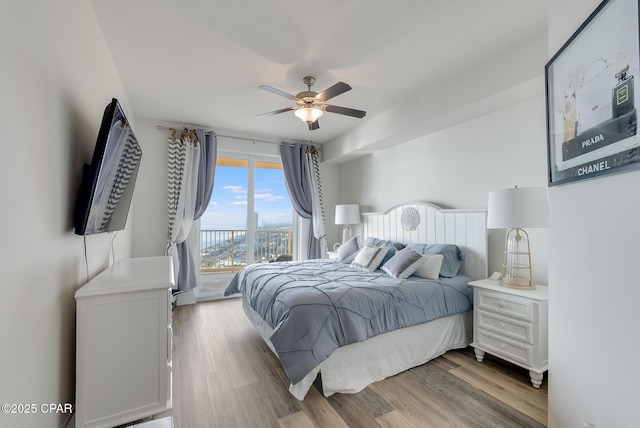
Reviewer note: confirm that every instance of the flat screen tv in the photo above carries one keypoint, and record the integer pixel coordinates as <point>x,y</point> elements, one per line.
<point>107,183</point>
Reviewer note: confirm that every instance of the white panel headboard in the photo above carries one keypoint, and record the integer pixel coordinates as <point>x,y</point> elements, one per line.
<point>465,228</point>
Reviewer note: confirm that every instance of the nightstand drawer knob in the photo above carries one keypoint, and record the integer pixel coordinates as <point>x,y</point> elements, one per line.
<point>501,346</point>
<point>501,304</point>
<point>502,325</point>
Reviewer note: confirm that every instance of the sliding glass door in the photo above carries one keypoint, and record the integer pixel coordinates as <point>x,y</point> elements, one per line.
<point>250,216</point>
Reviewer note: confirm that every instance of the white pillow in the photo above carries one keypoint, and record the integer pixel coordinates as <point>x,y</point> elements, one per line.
<point>369,258</point>
<point>430,269</point>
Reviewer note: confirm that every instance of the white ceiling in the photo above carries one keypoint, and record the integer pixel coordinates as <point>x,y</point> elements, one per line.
<point>200,62</point>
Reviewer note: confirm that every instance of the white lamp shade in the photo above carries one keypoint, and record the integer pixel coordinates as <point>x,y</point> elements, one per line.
<point>348,214</point>
<point>521,207</point>
<point>309,114</point>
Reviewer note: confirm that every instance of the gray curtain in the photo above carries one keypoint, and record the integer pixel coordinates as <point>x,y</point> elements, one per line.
<point>183,163</point>
<point>296,177</point>
<point>189,273</point>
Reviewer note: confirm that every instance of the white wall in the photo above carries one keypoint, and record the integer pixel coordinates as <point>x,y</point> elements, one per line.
<point>594,292</point>
<point>57,77</point>
<point>509,77</point>
<point>457,166</point>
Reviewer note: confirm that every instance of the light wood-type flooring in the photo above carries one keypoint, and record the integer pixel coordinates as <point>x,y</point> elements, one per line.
<point>226,376</point>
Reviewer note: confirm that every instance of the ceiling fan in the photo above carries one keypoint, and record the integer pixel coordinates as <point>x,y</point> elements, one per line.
<point>311,105</point>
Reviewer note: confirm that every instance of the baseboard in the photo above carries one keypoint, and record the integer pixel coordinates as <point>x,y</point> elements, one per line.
<point>187,298</point>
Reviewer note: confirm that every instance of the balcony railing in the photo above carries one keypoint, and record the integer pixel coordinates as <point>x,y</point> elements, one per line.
<point>226,250</point>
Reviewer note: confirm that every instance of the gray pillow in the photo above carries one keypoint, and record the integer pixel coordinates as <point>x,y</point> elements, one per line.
<point>453,256</point>
<point>348,249</point>
<point>383,243</point>
<point>391,245</point>
<point>404,263</point>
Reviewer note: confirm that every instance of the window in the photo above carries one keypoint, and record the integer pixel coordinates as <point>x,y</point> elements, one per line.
<point>250,216</point>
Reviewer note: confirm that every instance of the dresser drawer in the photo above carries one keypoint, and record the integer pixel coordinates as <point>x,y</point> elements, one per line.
<point>515,351</point>
<point>504,304</point>
<point>505,326</point>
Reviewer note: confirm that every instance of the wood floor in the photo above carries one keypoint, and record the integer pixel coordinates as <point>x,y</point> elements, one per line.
<point>225,376</point>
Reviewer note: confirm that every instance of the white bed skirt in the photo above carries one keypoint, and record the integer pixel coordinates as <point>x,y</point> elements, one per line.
<point>351,368</point>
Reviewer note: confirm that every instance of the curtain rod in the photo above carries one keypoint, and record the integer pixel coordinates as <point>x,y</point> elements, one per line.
<point>165,128</point>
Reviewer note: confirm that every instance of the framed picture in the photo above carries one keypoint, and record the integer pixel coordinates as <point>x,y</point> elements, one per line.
<point>590,92</point>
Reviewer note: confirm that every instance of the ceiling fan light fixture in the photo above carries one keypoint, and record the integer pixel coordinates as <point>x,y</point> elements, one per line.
<point>309,114</point>
<point>310,106</point>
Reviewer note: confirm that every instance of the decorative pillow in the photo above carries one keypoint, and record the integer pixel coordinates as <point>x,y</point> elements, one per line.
<point>430,269</point>
<point>369,258</point>
<point>347,249</point>
<point>383,243</point>
<point>404,263</point>
<point>453,256</point>
<point>391,245</point>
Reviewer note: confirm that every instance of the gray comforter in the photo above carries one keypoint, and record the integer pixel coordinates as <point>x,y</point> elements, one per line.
<point>317,306</point>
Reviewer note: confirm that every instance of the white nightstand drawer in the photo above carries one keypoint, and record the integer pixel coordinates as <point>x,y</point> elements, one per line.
<point>517,352</point>
<point>518,330</point>
<point>512,324</point>
<point>505,304</point>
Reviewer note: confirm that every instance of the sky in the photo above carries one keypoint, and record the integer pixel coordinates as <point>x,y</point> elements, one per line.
<point>227,208</point>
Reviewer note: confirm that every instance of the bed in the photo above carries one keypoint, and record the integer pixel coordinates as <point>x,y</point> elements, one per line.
<point>355,325</point>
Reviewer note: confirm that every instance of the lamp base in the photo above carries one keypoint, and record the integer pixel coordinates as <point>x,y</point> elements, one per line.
<point>517,261</point>
<point>515,283</point>
<point>346,233</point>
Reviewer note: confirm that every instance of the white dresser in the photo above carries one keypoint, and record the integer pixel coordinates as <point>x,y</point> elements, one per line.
<point>123,343</point>
<point>512,324</point>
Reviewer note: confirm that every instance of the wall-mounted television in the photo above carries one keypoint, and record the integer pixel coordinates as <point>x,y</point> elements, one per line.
<point>107,183</point>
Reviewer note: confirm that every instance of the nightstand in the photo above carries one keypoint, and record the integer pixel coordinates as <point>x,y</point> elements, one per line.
<point>332,255</point>
<point>512,324</point>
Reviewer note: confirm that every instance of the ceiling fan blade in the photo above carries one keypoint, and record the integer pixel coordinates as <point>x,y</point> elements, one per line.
<point>271,113</point>
<point>344,110</point>
<point>334,91</point>
<point>313,125</point>
<point>278,92</point>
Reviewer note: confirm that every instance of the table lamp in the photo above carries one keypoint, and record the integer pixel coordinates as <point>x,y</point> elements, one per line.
<point>347,215</point>
<point>515,209</point>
